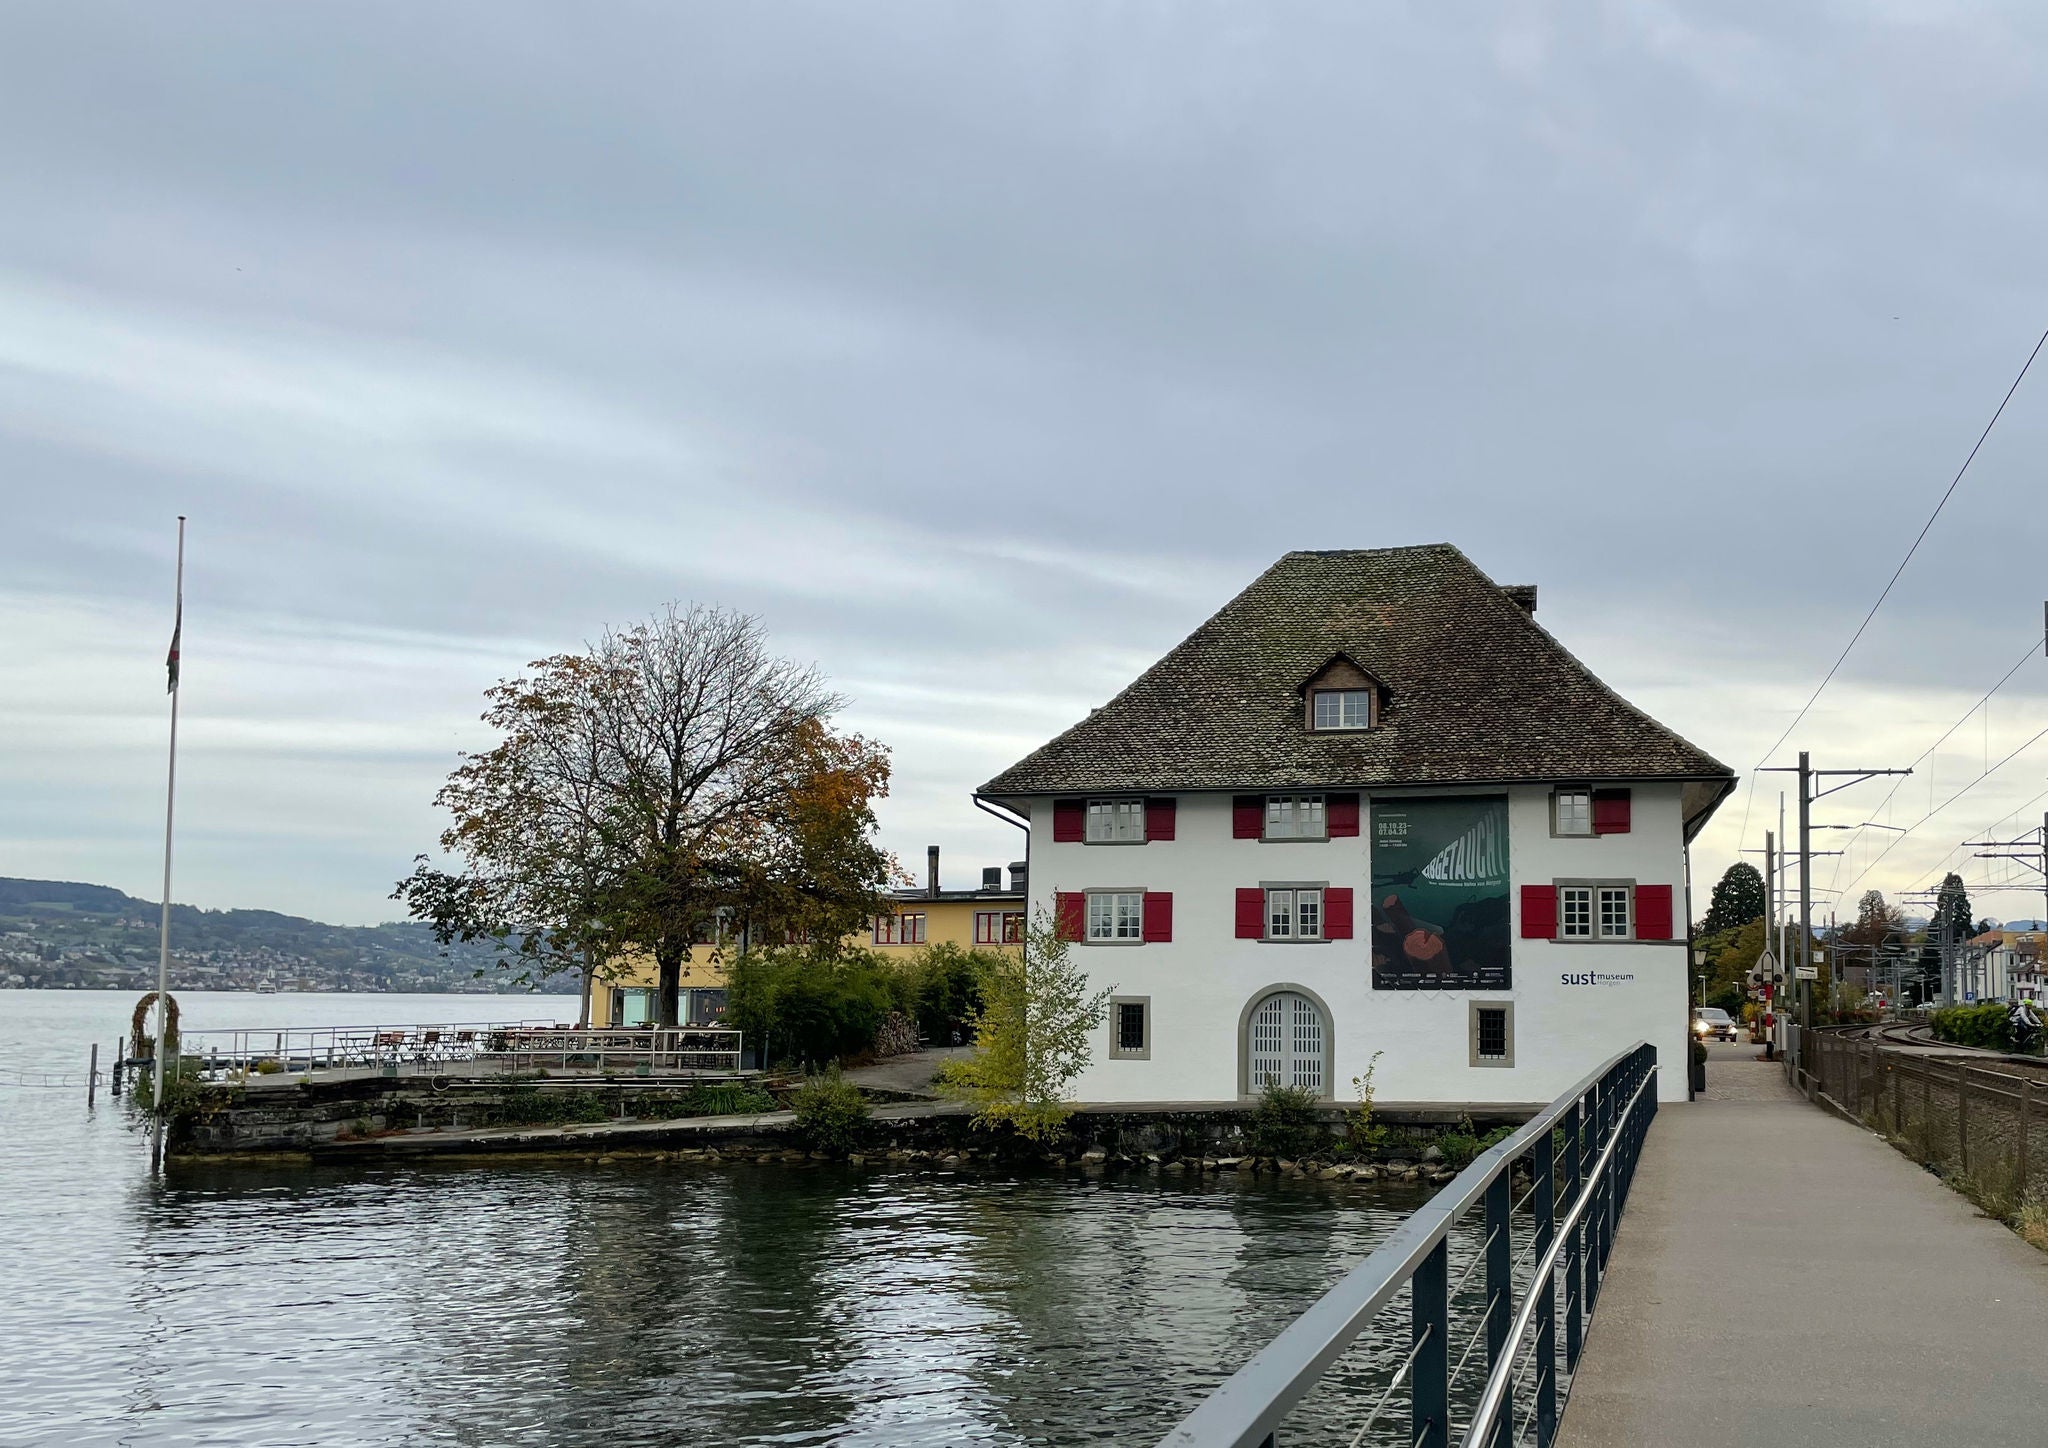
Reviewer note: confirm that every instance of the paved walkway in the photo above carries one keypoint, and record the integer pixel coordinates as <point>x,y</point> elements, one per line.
<point>1783,1277</point>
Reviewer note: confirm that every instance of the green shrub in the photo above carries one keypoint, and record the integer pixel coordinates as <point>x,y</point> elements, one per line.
<point>528,1105</point>
<point>1986,1025</point>
<point>1284,1124</point>
<point>730,1099</point>
<point>945,981</point>
<point>814,1005</point>
<point>831,1114</point>
<point>268,1066</point>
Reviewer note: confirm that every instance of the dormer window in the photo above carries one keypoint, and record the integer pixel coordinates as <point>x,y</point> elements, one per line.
<point>1343,709</point>
<point>1341,697</point>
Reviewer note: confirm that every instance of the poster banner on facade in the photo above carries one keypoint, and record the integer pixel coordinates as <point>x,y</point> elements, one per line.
<point>1440,894</point>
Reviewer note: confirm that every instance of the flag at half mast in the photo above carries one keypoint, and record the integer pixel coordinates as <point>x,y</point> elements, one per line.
<point>171,659</point>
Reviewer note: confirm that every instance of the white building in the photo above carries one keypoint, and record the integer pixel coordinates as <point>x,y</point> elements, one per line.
<point>1370,807</point>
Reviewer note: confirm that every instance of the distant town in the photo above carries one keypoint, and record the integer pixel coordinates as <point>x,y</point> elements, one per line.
<point>62,935</point>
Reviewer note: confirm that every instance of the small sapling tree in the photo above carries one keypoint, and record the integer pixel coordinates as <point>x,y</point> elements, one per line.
<point>1031,1032</point>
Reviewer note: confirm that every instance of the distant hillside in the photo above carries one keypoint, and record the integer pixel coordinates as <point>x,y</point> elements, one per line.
<point>65,933</point>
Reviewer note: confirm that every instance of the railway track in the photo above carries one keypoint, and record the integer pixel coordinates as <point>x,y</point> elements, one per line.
<point>1918,1036</point>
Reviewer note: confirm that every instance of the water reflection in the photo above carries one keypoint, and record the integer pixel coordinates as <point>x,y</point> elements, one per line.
<point>573,1305</point>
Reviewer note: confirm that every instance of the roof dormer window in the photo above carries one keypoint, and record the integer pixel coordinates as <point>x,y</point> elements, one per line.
<point>1342,709</point>
<point>1341,697</point>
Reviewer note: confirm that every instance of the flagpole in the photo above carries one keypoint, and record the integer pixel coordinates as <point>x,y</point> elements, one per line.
<point>163,954</point>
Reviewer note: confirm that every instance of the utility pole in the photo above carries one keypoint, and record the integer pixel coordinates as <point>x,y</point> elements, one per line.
<point>1808,797</point>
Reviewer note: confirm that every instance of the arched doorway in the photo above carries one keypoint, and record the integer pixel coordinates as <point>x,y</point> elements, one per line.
<point>1285,1038</point>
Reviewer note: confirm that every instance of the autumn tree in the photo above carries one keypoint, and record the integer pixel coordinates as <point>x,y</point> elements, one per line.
<point>671,776</point>
<point>541,875</point>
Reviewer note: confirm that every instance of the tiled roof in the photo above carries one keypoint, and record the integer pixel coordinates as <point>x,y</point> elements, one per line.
<point>1477,692</point>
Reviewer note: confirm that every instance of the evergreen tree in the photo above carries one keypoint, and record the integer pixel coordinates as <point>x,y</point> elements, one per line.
<point>1950,927</point>
<point>1738,899</point>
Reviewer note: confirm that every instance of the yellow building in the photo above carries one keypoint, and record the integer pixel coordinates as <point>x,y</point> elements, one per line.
<point>989,917</point>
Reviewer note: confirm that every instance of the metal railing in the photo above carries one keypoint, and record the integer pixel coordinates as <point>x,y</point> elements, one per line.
<point>469,1047</point>
<point>1582,1151</point>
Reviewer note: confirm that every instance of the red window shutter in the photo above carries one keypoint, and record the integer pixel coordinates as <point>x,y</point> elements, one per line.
<point>1159,815</point>
<point>1610,811</point>
<point>1251,914</point>
<point>1340,814</point>
<point>1158,916</point>
<point>1653,912</point>
<point>1539,912</point>
<point>1069,821</point>
<point>1248,817</point>
<point>1337,913</point>
<point>1070,914</point>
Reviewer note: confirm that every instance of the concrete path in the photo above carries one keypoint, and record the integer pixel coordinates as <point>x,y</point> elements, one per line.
<point>1783,1277</point>
<point>909,1074</point>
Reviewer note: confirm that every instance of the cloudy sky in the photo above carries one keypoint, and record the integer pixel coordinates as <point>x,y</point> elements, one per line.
<point>982,350</point>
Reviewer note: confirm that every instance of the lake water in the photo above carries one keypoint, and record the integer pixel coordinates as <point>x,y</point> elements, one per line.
<point>636,1303</point>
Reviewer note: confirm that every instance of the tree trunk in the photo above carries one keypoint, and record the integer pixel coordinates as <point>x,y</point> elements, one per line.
<point>668,959</point>
<point>583,1013</point>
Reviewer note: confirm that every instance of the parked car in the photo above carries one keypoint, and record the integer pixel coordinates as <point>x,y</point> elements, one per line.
<point>1712,1021</point>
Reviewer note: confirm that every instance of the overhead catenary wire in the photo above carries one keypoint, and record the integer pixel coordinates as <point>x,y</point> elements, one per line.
<point>2031,650</point>
<point>1937,809</point>
<point>1890,583</point>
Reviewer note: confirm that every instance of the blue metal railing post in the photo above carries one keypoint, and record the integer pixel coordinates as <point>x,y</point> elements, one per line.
<point>1499,1278</point>
<point>1574,1261</point>
<point>1544,1201</point>
<point>1429,1390</point>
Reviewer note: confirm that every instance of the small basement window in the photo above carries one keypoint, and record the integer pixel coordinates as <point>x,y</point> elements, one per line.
<point>1492,1031</point>
<point>1130,1028</point>
<point>1343,709</point>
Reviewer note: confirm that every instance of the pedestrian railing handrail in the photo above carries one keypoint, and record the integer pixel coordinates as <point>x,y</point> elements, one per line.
<point>505,1046</point>
<point>1603,1120</point>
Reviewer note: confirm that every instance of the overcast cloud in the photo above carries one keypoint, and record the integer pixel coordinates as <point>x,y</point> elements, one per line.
<point>982,350</point>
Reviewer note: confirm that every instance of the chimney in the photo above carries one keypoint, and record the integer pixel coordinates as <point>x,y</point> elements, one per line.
<point>1523,595</point>
<point>991,877</point>
<point>1017,877</point>
<point>931,856</point>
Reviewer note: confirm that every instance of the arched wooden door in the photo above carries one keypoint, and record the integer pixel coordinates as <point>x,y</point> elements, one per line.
<point>1287,1041</point>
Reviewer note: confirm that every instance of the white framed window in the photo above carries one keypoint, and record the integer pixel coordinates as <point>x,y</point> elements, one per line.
<point>1130,1028</point>
<point>1571,812</point>
<point>1574,912</point>
<point>1596,910</point>
<point>1343,709</point>
<point>1615,912</point>
<point>1294,913</point>
<point>1116,822</point>
<point>1295,817</point>
<point>900,929</point>
<point>1116,917</point>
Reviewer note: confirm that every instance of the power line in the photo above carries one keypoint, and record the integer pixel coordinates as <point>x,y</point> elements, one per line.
<point>2037,738</point>
<point>1928,752</point>
<point>1919,538</point>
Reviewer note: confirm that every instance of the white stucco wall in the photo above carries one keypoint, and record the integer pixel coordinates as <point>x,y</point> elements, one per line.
<point>1201,983</point>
